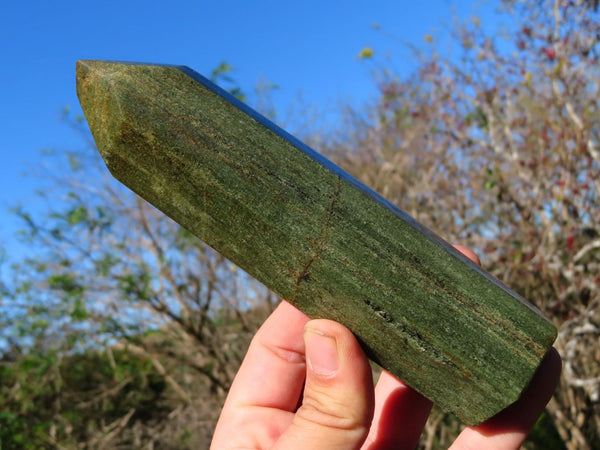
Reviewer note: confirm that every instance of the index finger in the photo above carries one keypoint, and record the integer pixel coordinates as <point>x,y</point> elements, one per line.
<point>268,385</point>
<point>274,365</point>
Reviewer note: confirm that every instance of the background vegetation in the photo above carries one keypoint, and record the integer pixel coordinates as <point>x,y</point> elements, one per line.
<point>123,331</point>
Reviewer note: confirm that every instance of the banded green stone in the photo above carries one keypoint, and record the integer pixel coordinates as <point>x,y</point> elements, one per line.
<point>315,235</point>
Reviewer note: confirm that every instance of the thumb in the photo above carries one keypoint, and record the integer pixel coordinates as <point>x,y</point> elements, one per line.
<point>337,407</point>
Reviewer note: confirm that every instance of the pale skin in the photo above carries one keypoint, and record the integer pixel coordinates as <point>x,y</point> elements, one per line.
<point>307,384</point>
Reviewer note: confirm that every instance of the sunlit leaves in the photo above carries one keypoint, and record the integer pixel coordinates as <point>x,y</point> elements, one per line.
<point>366,53</point>
<point>31,227</point>
<point>221,75</point>
<point>79,311</point>
<point>477,117</point>
<point>136,285</point>
<point>490,182</point>
<point>105,263</point>
<point>73,397</point>
<point>77,215</point>
<point>65,282</point>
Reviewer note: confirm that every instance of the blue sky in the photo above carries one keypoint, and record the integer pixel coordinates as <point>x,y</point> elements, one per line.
<point>308,48</point>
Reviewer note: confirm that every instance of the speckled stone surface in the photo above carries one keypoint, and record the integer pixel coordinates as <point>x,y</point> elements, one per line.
<point>315,235</point>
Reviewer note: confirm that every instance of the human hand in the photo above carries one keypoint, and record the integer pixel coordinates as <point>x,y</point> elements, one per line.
<point>307,384</point>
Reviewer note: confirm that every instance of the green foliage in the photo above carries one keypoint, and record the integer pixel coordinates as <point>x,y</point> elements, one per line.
<point>222,75</point>
<point>77,215</point>
<point>79,311</point>
<point>27,392</point>
<point>136,285</point>
<point>105,264</point>
<point>544,435</point>
<point>65,282</point>
<point>477,117</point>
<point>71,398</point>
<point>366,53</point>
